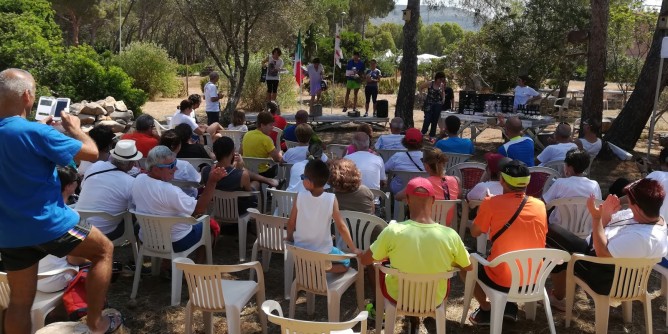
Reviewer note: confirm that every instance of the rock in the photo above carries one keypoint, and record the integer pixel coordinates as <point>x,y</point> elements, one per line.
<point>120,121</point>
<point>93,109</point>
<point>124,115</point>
<point>115,126</point>
<point>75,108</point>
<point>86,119</point>
<point>64,327</point>
<point>86,128</point>
<point>120,106</point>
<point>110,100</point>
<point>110,104</point>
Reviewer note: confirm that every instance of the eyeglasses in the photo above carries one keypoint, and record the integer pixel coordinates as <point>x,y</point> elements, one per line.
<point>303,177</point>
<point>170,166</point>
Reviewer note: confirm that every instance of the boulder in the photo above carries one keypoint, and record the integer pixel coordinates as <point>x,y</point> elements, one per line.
<point>86,119</point>
<point>120,106</point>
<point>115,126</point>
<point>124,115</point>
<point>93,109</point>
<point>110,104</point>
<point>75,108</point>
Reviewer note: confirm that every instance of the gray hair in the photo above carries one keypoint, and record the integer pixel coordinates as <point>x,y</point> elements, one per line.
<point>121,164</point>
<point>213,75</point>
<point>144,122</point>
<point>361,141</point>
<point>158,155</point>
<point>397,123</point>
<point>14,82</point>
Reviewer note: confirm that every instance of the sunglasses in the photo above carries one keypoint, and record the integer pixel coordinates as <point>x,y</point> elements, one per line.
<point>303,177</point>
<point>170,166</point>
<point>629,191</point>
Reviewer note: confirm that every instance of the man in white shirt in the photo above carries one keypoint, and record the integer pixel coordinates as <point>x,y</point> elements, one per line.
<point>523,93</point>
<point>370,165</point>
<point>574,184</point>
<point>107,187</point>
<point>315,72</point>
<point>212,99</point>
<point>557,152</point>
<point>492,187</point>
<point>393,140</point>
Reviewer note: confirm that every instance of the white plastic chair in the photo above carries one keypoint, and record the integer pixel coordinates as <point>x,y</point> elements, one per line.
<point>387,154</point>
<point>271,233</point>
<point>440,210</point>
<point>311,276</point>
<point>385,205</point>
<point>198,162</point>
<point>292,326</point>
<point>529,269</point>
<point>573,214</point>
<point>281,202</point>
<point>128,233</point>
<point>236,136</point>
<point>290,144</point>
<point>404,176</point>
<point>416,297</point>
<point>557,165</point>
<point>337,150</point>
<point>279,134</point>
<point>210,293</point>
<point>361,226</point>
<point>469,174</point>
<point>455,159</point>
<point>481,240</point>
<point>44,302</point>
<point>284,171</point>
<point>629,283</point>
<point>664,284</point>
<point>157,243</point>
<point>541,180</point>
<point>224,208</point>
<point>561,105</point>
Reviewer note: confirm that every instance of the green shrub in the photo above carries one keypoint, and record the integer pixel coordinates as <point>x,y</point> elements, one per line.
<point>388,86</point>
<point>151,68</point>
<point>193,69</point>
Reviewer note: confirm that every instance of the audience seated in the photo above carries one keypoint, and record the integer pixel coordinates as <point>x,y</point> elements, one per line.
<point>493,186</point>
<point>574,184</point>
<point>557,151</point>
<point>346,181</point>
<point>518,147</point>
<point>527,230</point>
<point>393,140</point>
<point>153,194</point>
<point>296,182</point>
<point>312,214</point>
<point>258,144</point>
<point>145,135</point>
<point>190,150</point>
<point>590,142</point>
<point>366,128</point>
<point>637,232</point>
<point>370,165</point>
<point>103,136</point>
<point>107,187</point>
<point>238,121</point>
<point>418,245</point>
<point>298,153</point>
<point>69,182</point>
<point>185,171</point>
<point>289,133</point>
<point>453,143</point>
<point>275,110</point>
<point>410,161</point>
<point>183,115</point>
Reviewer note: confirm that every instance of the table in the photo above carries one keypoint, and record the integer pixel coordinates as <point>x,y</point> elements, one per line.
<point>478,124</point>
<point>324,122</point>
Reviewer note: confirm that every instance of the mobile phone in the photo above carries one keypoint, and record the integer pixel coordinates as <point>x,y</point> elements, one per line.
<point>44,107</point>
<point>62,104</point>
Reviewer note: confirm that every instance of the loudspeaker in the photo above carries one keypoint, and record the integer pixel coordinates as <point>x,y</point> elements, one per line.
<point>382,107</point>
<point>354,113</point>
<point>315,110</point>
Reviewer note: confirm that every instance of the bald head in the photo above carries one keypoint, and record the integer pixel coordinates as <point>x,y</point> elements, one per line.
<point>361,141</point>
<point>563,132</point>
<point>17,92</point>
<point>396,125</point>
<point>514,126</point>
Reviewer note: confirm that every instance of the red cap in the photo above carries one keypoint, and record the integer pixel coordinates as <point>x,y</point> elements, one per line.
<point>493,161</point>
<point>420,187</point>
<point>413,136</point>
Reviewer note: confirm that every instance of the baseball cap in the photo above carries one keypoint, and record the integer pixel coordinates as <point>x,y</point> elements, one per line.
<point>413,136</point>
<point>515,173</point>
<point>420,187</point>
<point>494,160</point>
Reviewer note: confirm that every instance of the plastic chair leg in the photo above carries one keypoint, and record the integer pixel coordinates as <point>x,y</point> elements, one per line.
<point>288,272</point>
<point>602,306</point>
<point>440,319</point>
<point>627,309</point>
<point>498,306</point>
<point>293,300</point>
<point>243,230</point>
<point>469,285</point>
<point>310,303</point>
<point>333,306</point>
<point>530,310</point>
<point>548,312</point>
<point>259,299</point>
<point>266,258</point>
<point>233,316</point>
<point>647,304</point>
<point>38,318</point>
<point>254,258</point>
<point>135,282</point>
<point>177,278</point>
<point>189,318</point>
<point>155,266</point>
<point>390,317</point>
<point>208,322</point>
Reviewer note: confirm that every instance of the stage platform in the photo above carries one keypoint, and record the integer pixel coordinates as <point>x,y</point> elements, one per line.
<point>324,122</point>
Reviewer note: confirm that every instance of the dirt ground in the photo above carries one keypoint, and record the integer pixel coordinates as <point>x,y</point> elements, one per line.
<point>150,312</point>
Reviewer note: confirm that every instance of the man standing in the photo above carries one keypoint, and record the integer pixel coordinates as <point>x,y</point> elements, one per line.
<point>518,147</point>
<point>315,72</point>
<point>557,151</point>
<point>393,140</point>
<point>34,220</point>
<point>372,76</point>
<point>523,93</point>
<point>528,229</point>
<point>212,99</point>
<point>354,70</point>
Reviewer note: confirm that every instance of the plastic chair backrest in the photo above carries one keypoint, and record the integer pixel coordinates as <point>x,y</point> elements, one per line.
<point>441,208</point>
<point>406,176</point>
<point>270,230</point>
<point>157,232</point>
<point>529,270</point>
<point>361,226</point>
<point>311,268</point>
<point>253,164</point>
<point>469,174</point>
<point>199,163</point>
<point>279,134</point>
<point>4,291</point>
<point>630,277</point>
<point>455,159</point>
<point>285,171</point>
<point>573,214</point>
<point>204,288</point>
<point>281,202</point>
<point>387,154</point>
<point>236,137</point>
<point>337,150</point>
<point>557,165</point>
<point>384,202</point>
<point>417,294</point>
<point>293,326</point>
<point>224,206</point>
<point>85,214</point>
<point>290,144</point>
<point>541,180</point>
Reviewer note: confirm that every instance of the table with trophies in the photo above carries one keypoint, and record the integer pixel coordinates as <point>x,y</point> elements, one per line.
<point>324,122</point>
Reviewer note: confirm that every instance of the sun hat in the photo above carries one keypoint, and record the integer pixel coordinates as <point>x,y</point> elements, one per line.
<point>515,173</point>
<point>413,136</point>
<point>126,150</point>
<point>420,187</point>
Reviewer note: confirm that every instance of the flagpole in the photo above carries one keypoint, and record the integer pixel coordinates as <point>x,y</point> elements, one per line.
<point>331,109</point>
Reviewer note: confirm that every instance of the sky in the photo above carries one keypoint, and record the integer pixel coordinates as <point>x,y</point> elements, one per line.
<point>647,2</point>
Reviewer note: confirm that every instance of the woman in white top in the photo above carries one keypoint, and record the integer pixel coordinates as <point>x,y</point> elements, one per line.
<point>303,132</point>
<point>238,121</point>
<point>410,161</point>
<point>314,151</point>
<point>274,65</point>
<point>590,141</point>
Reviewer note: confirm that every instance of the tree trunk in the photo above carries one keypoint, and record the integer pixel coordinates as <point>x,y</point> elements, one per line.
<point>630,123</point>
<point>406,94</point>
<point>592,102</point>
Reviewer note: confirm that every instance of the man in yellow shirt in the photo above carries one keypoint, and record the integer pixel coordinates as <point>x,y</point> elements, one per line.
<point>418,245</point>
<point>258,144</point>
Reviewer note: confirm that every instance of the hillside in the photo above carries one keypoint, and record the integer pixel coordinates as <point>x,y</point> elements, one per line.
<point>447,14</point>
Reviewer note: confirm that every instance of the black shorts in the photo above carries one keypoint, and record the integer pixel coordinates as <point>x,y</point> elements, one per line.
<point>271,172</point>
<point>212,117</point>
<point>272,86</point>
<point>482,276</point>
<point>20,258</point>
<point>371,93</point>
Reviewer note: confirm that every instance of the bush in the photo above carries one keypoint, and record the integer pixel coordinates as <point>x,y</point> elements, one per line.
<point>388,86</point>
<point>193,69</point>
<point>151,68</point>
<point>254,95</point>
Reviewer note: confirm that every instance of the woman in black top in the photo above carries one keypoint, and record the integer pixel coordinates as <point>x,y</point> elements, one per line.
<point>188,150</point>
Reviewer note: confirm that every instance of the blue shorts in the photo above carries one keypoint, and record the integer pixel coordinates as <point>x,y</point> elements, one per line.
<point>336,251</point>
<point>189,240</point>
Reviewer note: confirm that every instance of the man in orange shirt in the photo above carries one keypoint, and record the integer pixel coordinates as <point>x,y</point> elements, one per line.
<point>145,136</point>
<point>527,230</point>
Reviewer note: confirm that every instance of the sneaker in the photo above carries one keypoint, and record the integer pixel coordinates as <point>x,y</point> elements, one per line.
<point>372,311</point>
<point>510,312</point>
<point>366,114</point>
<point>345,109</point>
<point>557,304</point>
<point>480,317</point>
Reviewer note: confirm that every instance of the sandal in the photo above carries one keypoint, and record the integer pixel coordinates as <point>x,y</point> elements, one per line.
<point>115,320</point>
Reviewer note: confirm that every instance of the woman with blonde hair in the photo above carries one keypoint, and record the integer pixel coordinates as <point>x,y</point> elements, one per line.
<point>346,181</point>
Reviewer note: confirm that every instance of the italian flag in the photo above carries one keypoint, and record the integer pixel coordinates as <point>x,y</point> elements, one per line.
<point>299,50</point>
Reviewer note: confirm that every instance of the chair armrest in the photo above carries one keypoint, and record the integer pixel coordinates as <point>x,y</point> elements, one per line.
<point>204,219</point>
<point>386,270</point>
<point>364,315</point>
<point>477,258</point>
<point>269,306</point>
